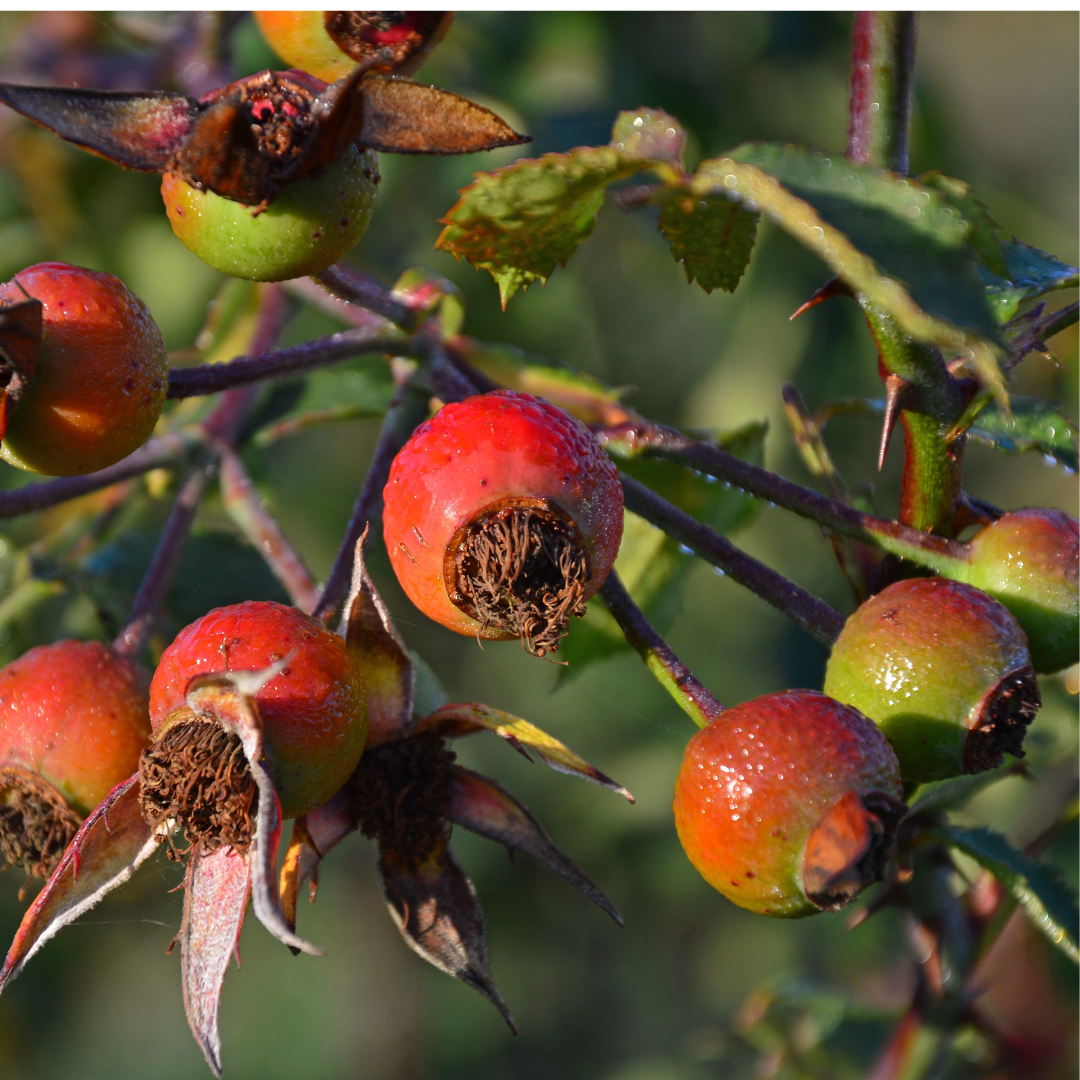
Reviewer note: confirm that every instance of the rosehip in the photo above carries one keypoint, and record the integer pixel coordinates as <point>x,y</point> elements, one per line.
<point>330,43</point>
<point>503,516</point>
<point>944,670</point>
<point>314,717</point>
<point>310,223</point>
<point>1029,561</point>
<point>788,804</point>
<point>101,374</point>
<point>73,721</point>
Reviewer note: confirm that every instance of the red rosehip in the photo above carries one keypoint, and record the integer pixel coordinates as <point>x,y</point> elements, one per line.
<point>944,670</point>
<point>788,804</point>
<point>73,721</point>
<point>1029,560</point>
<point>101,375</point>
<point>314,714</point>
<point>503,516</point>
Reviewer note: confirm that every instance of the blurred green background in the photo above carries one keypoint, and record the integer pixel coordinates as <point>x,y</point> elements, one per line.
<point>692,987</point>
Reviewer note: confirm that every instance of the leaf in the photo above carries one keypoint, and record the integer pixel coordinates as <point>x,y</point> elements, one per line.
<point>136,130</point>
<point>406,117</point>
<point>1039,889</point>
<point>522,221</point>
<point>984,235</point>
<point>1031,273</point>
<point>229,698</point>
<point>483,807</point>
<point>957,792</point>
<point>896,243</point>
<point>215,899</point>
<point>712,237</point>
<point>457,721</point>
<point>436,909</point>
<point>649,133</point>
<point>1029,424</point>
<point>111,845</point>
<point>378,655</point>
<point>580,394</point>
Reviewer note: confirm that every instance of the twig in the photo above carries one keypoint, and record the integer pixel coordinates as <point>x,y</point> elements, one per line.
<point>354,287</point>
<point>155,454</point>
<point>815,616</point>
<point>672,673</point>
<point>275,363</point>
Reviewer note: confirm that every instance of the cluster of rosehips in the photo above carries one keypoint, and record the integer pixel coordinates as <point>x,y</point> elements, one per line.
<point>503,516</point>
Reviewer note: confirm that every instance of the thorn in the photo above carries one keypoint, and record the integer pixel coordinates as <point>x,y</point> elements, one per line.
<point>898,397</point>
<point>834,287</point>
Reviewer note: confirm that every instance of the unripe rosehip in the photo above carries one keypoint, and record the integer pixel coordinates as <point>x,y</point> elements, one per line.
<point>309,224</point>
<point>503,516</point>
<point>101,375</point>
<point>788,804</point>
<point>314,718</point>
<point>73,721</point>
<point>944,670</point>
<point>330,43</point>
<point>1029,560</point>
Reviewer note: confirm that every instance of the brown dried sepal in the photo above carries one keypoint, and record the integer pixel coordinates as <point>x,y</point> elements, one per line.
<point>196,773</point>
<point>408,35</point>
<point>21,325</point>
<point>400,795</point>
<point>850,848</point>
<point>36,822</point>
<point>520,566</point>
<point>1005,712</point>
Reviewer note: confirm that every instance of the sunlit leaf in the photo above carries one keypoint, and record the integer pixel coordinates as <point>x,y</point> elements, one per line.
<point>984,235</point>
<point>1030,424</point>
<point>1039,889</point>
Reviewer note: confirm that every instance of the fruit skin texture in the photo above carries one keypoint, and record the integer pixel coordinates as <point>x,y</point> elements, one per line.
<point>314,713</point>
<point>308,227</point>
<point>1029,561</point>
<point>101,376</point>
<point>478,452</point>
<point>301,40</point>
<point>756,780</point>
<point>919,658</point>
<point>76,713</point>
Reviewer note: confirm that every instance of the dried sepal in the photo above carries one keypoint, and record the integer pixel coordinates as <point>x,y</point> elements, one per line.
<point>229,698</point>
<point>435,907</point>
<point>215,899</point>
<point>408,36</point>
<point>20,344</point>
<point>456,721</point>
<point>479,804</point>
<point>378,654</point>
<point>112,843</point>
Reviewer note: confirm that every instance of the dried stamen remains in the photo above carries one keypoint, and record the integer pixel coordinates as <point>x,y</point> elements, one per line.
<point>36,823</point>
<point>521,567</point>
<point>1004,715</point>
<point>399,796</point>
<point>197,774</point>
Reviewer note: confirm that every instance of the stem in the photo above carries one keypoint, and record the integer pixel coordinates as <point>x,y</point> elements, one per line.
<point>275,363</point>
<point>155,454</point>
<point>408,410</point>
<point>815,616</point>
<point>132,638</point>
<point>245,507</point>
<point>654,440</point>
<point>353,287</point>
<point>672,673</point>
<point>882,63</point>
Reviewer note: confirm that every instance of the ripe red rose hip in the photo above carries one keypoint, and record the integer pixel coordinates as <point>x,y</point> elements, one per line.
<point>313,715</point>
<point>503,516</point>
<point>1029,560</point>
<point>944,670</point>
<point>73,721</point>
<point>788,804</point>
<point>100,378</point>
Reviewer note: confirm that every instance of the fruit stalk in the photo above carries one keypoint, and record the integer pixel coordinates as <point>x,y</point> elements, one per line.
<point>675,677</point>
<point>352,287</point>
<point>815,616</point>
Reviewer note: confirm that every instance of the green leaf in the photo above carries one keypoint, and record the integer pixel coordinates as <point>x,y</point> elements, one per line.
<point>1039,889</point>
<point>649,133</point>
<point>896,243</point>
<point>942,795</point>
<point>1030,424</point>
<point>1031,273</point>
<point>712,237</point>
<point>984,236</point>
